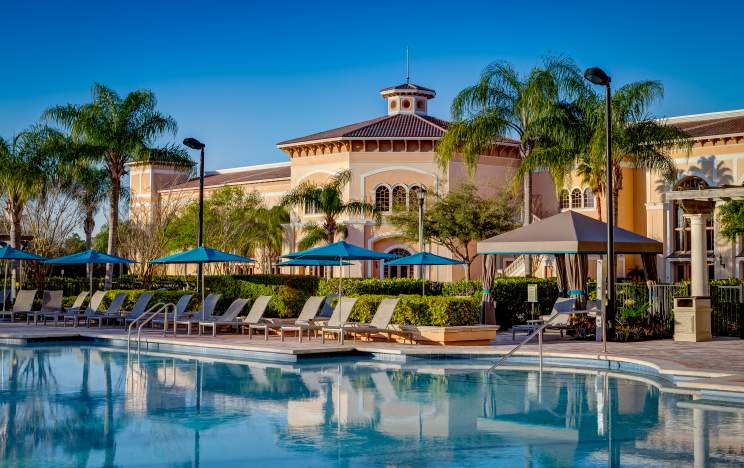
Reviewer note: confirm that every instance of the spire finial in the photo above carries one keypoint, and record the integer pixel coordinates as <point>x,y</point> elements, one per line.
<point>408,67</point>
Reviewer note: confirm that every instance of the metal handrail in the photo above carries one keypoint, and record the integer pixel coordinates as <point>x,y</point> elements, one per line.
<point>147,317</point>
<point>538,333</point>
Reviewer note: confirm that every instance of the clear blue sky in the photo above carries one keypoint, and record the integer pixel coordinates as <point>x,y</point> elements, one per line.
<point>242,76</point>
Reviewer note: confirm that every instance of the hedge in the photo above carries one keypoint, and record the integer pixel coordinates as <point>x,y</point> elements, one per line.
<point>510,295</point>
<point>437,311</point>
<point>389,286</point>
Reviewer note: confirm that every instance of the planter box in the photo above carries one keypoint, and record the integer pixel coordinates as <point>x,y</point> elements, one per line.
<point>464,335</point>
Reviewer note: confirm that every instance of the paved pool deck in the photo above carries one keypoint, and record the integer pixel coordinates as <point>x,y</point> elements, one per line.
<point>712,366</point>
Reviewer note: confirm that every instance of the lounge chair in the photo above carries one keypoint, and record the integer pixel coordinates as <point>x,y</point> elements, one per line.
<point>206,312</point>
<point>113,311</point>
<point>336,324</point>
<point>76,306</point>
<point>23,304</point>
<point>254,319</point>
<point>75,314</point>
<point>563,306</point>
<point>306,319</point>
<point>380,322</point>
<point>140,306</point>
<point>50,304</point>
<point>228,318</point>
<point>4,294</point>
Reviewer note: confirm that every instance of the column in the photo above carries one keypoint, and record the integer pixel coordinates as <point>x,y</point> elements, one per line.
<point>698,255</point>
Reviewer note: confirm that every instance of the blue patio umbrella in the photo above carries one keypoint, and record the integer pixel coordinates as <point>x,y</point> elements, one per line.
<point>8,253</point>
<point>89,257</point>
<point>308,262</point>
<point>202,255</point>
<point>422,259</point>
<point>338,252</point>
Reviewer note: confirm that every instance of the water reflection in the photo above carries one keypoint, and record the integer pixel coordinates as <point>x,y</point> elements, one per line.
<point>92,406</point>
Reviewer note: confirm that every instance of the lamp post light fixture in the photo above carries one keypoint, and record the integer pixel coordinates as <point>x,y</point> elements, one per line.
<point>598,77</point>
<point>193,143</point>
<point>421,197</point>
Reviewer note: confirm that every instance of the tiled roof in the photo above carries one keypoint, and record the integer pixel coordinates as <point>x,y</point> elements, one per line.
<point>236,177</point>
<point>712,127</point>
<point>408,86</point>
<point>388,126</point>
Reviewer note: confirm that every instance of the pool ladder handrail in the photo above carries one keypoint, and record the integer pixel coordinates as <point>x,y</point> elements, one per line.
<point>147,317</point>
<point>538,332</point>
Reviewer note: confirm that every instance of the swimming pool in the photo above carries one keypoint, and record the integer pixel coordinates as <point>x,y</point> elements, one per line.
<point>85,405</point>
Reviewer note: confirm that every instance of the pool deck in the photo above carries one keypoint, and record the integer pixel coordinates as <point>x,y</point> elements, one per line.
<point>712,366</point>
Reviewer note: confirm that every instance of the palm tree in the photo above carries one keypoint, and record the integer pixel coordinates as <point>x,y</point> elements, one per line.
<point>638,140</point>
<point>271,222</point>
<point>327,200</point>
<point>27,163</point>
<point>119,131</point>
<point>506,104</point>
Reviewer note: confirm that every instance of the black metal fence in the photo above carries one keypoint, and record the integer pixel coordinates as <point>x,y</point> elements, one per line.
<point>728,306</point>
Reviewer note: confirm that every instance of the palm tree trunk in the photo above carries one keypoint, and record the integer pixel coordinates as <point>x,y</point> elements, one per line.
<point>88,225</point>
<point>113,232</point>
<point>15,210</point>
<point>598,202</point>
<point>527,213</point>
<point>329,240</point>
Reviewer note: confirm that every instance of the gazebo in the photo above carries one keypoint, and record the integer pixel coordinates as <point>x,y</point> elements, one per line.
<point>569,236</point>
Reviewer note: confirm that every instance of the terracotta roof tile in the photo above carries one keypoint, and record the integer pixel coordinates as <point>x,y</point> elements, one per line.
<point>408,86</point>
<point>236,177</point>
<point>712,127</point>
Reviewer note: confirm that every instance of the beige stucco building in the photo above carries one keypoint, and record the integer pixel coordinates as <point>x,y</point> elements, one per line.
<point>390,158</point>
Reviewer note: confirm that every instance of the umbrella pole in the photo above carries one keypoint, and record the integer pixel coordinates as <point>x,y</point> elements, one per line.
<point>340,274</point>
<point>202,290</point>
<point>90,268</point>
<point>423,281</point>
<point>5,284</point>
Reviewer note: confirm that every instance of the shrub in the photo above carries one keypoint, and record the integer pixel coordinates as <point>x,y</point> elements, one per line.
<point>510,295</point>
<point>421,310</point>
<point>389,286</point>
<point>159,296</point>
<point>473,288</point>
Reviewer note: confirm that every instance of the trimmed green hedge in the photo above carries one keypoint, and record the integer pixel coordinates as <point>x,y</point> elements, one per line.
<point>437,311</point>
<point>134,294</point>
<point>389,286</point>
<point>510,295</point>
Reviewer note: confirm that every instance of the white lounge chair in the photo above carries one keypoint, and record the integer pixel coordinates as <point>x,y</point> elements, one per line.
<point>380,323</point>
<point>100,316</point>
<point>75,314</point>
<point>76,306</point>
<point>228,318</point>
<point>139,308</point>
<point>24,301</point>
<point>339,319</point>
<point>51,303</point>
<point>306,319</point>
<point>254,319</point>
<point>206,312</point>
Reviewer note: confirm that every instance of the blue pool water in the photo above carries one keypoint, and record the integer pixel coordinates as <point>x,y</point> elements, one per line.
<point>85,405</point>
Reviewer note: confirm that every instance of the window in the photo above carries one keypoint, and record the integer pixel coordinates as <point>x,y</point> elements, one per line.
<point>406,103</point>
<point>588,198</point>
<point>681,228</point>
<point>413,197</point>
<point>310,208</point>
<point>565,203</point>
<point>400,194</point>
<point>402,271</point>
<point>382,198</point>
<point>576,198</point>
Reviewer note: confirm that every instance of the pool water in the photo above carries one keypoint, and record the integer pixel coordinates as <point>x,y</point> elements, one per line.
<point>85,405</point>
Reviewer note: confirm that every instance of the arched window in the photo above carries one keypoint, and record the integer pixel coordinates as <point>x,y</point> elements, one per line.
<point>565,202</point>
<point>382,198</point>
<point>413,196</point>
<point>588,198</point>
<point>576,198</point>
<point>400,194</point>
<point>402,271</point>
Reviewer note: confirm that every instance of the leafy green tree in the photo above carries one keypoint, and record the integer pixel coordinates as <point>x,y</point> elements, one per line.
<point>89,185</point>
<point>271,222</point>
<point>27,164</point>
<point>731,219</point>
<point>459,219</point>
<point>327,200</point>
<point>119,131</point>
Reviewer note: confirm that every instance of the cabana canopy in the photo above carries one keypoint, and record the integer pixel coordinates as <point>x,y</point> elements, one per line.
<point>567,233</point>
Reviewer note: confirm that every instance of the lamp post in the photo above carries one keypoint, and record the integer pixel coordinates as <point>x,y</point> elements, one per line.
<point>193,143</point>
<point>421,196</point>
<point>598,77</point>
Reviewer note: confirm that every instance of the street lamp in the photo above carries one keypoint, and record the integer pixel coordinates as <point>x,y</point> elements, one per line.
<point>598,77</point>
<point>193,143</point>
<point>421,196</point>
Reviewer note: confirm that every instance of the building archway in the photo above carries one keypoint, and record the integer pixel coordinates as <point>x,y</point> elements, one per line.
<point>402,271</point>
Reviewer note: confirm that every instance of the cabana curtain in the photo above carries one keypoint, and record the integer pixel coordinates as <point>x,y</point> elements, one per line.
<point>649,266</point>
<point>487,306</point>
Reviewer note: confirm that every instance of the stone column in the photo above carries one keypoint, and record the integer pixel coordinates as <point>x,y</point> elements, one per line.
<point>698,255</point>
